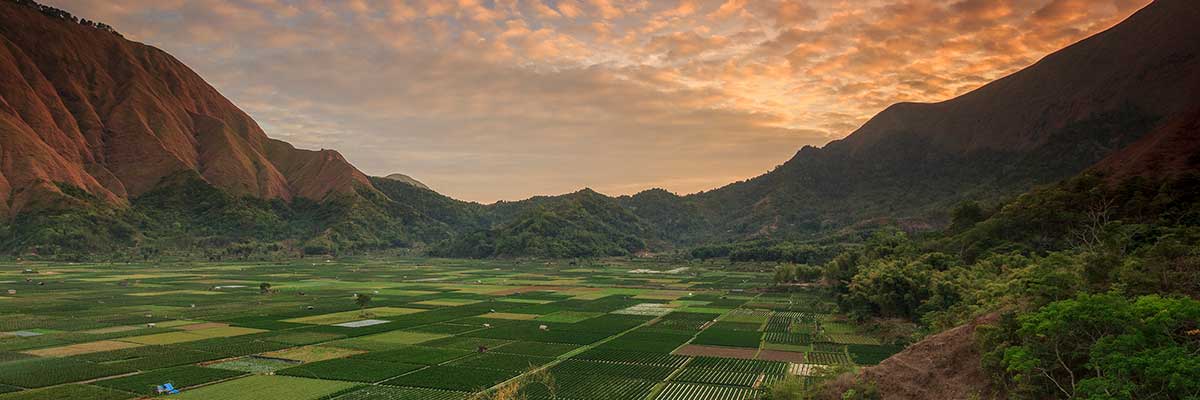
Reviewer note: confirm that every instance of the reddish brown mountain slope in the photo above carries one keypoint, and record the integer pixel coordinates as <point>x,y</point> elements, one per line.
<point>1170,150</point>
<point>88,108</point>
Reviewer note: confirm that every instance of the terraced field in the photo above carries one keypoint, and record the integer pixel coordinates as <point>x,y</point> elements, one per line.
<point>433,329</point>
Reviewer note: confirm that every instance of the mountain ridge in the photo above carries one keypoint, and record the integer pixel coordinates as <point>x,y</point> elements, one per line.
<point>103,125</point>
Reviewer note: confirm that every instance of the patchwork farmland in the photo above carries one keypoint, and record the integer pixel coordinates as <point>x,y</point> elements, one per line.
<point>411,328</point>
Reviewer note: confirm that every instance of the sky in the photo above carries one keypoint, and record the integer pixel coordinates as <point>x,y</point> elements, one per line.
<point>488,100</point>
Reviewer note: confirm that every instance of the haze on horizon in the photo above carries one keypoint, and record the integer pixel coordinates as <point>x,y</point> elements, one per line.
<point>505,99</point>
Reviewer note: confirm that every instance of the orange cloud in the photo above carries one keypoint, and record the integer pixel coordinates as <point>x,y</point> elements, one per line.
<point>467,94</point>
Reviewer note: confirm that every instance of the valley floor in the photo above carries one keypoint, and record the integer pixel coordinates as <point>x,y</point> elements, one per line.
<point>411,328</point>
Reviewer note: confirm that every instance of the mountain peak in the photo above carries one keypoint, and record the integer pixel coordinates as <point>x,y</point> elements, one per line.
<point>407,179</point>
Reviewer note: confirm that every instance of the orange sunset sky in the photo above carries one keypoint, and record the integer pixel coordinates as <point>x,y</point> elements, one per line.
<point>504,99</point>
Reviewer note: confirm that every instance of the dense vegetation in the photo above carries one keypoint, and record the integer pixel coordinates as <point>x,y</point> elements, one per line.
<point>187,215</point>
<point>1094,282</point>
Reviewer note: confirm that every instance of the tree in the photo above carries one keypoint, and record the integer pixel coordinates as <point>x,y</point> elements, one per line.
<point>363,300</point>
<point>264,288</point>
<point>1106,347</point>
<point>965,215</point>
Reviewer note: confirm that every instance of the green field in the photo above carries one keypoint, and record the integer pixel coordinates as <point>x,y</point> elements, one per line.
<point>434,328</point>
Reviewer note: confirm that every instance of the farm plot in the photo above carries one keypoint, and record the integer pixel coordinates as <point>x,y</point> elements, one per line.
<point>415,355</point>
<point>347,316</point>
<point>716,377</point>
<point>630,357</point>
<point>268,387</point>
<point>743,315</point>
<point>356,370</point>
<point>797,339</point>
<point>780,322</point>
<point>537,349</point>
<point>738,365</point>
<point>650,341</point>
<point>81,348</point>
<point>729,338</point>
<point>452,378</point>
<point>848,338</point>
<point>254,365</point>
<point>684,321</point>
<point>180,377</point>
<point>400,393</point>
<point>502,362</point>
<point>636,371</point>
<point>826,358</point>
<point>690,391</point>
<point>388,340</point>
<point>568,316</point>
<point>646,309</point>
<point>466,343</point>
<point>41,372</point>
<point>88,392</point>
<point>587,386</point>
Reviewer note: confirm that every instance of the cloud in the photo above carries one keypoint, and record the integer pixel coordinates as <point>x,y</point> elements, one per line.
<point>503,99</point>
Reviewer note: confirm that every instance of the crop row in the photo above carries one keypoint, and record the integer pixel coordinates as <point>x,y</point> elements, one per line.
<point>729,338</point>
<point>630,357</point>
<point>580,367</point>
<point>717,377</point>
<point>452,378</point>
<point>739,365</point>
<point>350,370</point>
<point>827,358</point>
<point>689,391</point>
<point>40,372</point>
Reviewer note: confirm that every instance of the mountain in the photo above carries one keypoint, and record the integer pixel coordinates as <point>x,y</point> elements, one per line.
<point>580,224</point>
<point>108,145</point>
<point>1129,94</point>
<point>407,179</point>
<point>82,106</point>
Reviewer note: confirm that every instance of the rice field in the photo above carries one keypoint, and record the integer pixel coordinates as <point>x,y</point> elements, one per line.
<point>433,329</point>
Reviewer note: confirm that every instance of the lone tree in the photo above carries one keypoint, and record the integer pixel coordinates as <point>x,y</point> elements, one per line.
<point>363,300</point>
<point>264,288</point>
